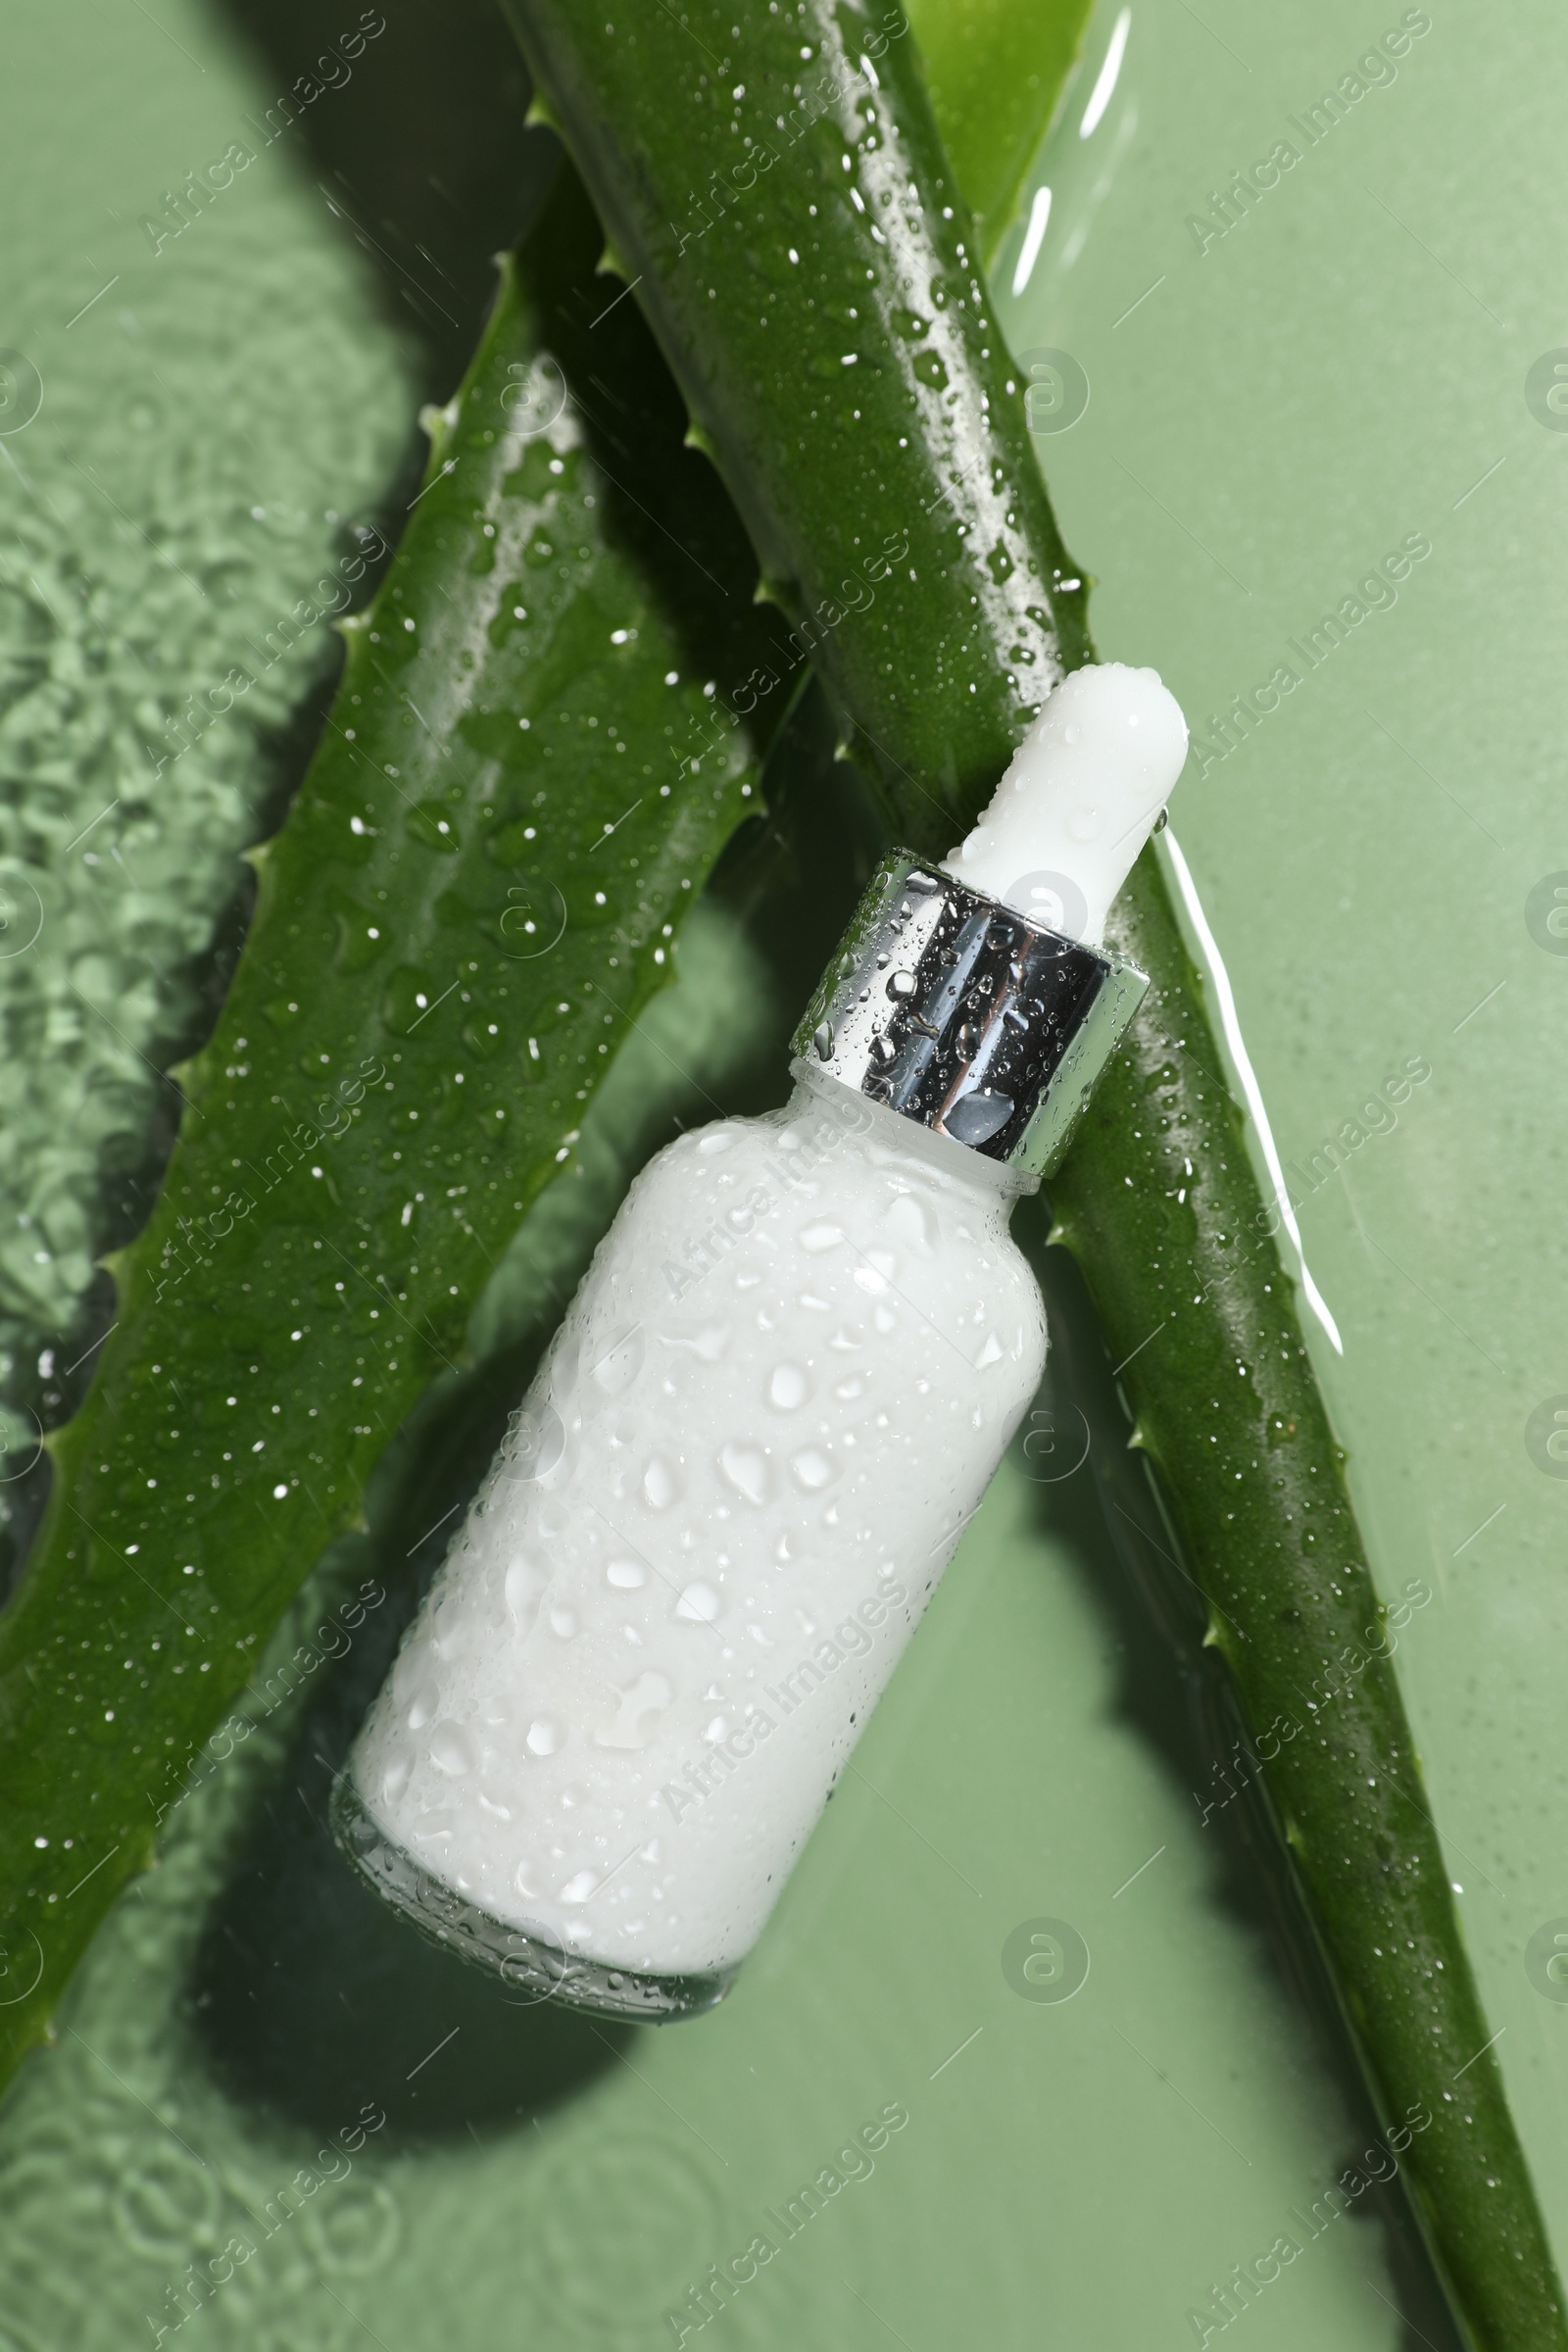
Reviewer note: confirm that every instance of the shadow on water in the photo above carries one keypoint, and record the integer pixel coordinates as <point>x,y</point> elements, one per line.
<point>416,146</point>
<point>1177,1695</point>
<point>310,1996</point>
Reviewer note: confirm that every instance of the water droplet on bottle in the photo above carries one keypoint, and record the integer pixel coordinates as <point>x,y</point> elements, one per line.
<point>788,1388</point>
<point>525,1581</point>
<point>563,1623</point>
<point>395,1779</point>
<point>748,1470</point>
<point>455,1633</point>
<point>642,1703</point>
<point>823,1235</point>
<point>422,1706</point>
<point>911,1220</point>
<point>901,984</point>
<point>544,1736</point>
<point>822,1040</point>
<point>661,1484</point>
<point>452,1749</point>
<point>615,1370</point>
<point>975,1118</point>
<point>812,1468</point>
<point>627,1575</point>
<point>855,1385</point>
<point>536,1439</point>
<point>700,1604</point>
<point>577,1889</point>
<point>708,1345</point>
<point>990,1354</point>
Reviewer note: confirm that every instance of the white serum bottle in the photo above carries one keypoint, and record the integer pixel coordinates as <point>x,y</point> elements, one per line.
<point>780,1392</point>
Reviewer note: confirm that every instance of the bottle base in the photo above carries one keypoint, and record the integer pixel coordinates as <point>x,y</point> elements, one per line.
<point>531,1964</point>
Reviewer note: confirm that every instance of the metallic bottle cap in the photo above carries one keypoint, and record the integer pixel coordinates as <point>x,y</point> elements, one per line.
<point>960,1013</point>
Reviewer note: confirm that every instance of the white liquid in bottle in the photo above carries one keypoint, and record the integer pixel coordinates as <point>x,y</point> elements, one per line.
<point>780,1392</point>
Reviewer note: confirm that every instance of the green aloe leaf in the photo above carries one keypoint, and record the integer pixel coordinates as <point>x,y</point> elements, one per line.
<point>778,192</point>
<point>995,72</point>
<point>520,793</point>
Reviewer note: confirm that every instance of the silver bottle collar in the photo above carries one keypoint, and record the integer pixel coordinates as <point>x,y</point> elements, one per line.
<point>958,1013</point>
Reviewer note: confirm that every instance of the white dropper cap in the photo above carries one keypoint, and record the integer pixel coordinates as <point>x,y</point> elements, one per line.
<point>1079,800</point>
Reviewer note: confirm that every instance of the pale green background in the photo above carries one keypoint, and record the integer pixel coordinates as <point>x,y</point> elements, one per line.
<point>1277,415</point>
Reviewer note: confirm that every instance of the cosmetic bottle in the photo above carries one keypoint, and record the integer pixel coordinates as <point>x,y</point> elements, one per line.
<point>775,1403</point>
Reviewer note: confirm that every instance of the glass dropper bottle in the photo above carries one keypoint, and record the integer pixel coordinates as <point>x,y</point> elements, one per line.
<point>778,1396</point>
